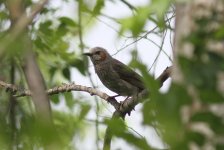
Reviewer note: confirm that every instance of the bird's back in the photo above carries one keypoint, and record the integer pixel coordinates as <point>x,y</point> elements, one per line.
<point>119,78</point>
<point>128,75</point>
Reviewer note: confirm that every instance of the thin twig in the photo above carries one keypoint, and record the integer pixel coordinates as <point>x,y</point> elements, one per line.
<point>160,50</point>
<point>141,37</point>
<point>157,45</point>
<point>61,89</point>
<point>97,113</point>
<point>128,4</point>
<point>91,81</point>
<point>125,108</point>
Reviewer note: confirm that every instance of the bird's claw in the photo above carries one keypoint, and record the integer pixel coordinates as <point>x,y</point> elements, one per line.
<point>114,96</point>
<point>110,98</point>
<point>129,109</point>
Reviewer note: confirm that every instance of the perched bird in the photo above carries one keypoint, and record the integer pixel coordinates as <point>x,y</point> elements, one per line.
<point>115,75</point>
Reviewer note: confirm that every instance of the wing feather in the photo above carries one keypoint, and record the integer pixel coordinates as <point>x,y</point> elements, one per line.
<point>127,74</point>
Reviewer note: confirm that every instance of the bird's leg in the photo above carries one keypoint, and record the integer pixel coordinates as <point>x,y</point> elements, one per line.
<point>135,98</point>
<point>126,98</point>
<point>112,97</point>
<point>122,102</point>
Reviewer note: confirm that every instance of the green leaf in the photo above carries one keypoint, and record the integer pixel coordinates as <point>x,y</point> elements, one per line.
<point>149,81</point>
<point>62,30</point>
<point>79,64</point>
<point>219,34</point>
<point>97,8</point>
<point>134,140</point>
<point>211,96</point>
<point>66,73</point>
<point>69,99</point>
<point>160,7</point>
<point>84,111</point>
<point>198,73</point>
<point>45,27</point>
<point>52,71</point>
<point>215,122</point>
<point>40,44</point>
<point>55,98</point>
<point>196,137</point>
<point>219,146</point>
<point>165,109</point>
<point>3,15</point>
<point>119,129</point>
<point>67,21</point>
<point>135,23</point>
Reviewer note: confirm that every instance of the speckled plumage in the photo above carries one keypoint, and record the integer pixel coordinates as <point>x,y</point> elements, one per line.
<point>115,75</point>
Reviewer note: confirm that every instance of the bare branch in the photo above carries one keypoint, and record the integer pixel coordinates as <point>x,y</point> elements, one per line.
<point>128,4</point>
<point>61,89</point>
<point>20,20</point>
<point>126,106</point>
<point>165,75</point>
<point>121,108</point>
<point>141,37</point>
<point>36,84</point>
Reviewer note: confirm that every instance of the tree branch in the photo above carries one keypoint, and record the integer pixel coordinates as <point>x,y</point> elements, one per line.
<point>37,85</point>
<point>165,75</point>
<point>19,92</point>
<point>121,109</point>
<point>20,20</point>
<point>124,108</point>
<point>128,4</point>
<point>128,105</point>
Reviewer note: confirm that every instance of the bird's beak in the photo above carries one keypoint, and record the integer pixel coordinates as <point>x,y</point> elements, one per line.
<point>87,54</point>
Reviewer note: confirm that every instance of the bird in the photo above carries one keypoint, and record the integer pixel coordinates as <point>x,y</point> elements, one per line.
<point>115,75</point>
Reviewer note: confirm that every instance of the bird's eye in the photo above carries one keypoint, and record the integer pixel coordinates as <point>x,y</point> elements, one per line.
<point>97,52</point>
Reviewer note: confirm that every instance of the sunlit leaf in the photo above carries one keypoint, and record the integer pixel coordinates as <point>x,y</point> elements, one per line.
<point>55,98</point>
<point>212,120</point>
<point>69,99</point>
<point>84,111</point>
<point>67,21</point>
<point>196,137</point>
<point>99,5</point>
<point>79,64</point>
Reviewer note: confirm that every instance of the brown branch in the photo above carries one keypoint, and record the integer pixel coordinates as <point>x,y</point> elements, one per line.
<point>128,4</point>
<point>108,133</point>
<point>126,105</point>
<point>165,75</point>
<point>19,92</point>
<point>121,108</point>
<point>36,84</point>
<point>20,20</point>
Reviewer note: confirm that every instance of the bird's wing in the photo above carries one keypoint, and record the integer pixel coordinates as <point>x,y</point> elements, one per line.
<point>127,74</point>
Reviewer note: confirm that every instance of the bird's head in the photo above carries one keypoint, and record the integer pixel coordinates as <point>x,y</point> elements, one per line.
<point>98,55</point>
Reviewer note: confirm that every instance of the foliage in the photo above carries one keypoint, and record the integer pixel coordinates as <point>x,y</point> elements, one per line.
<point>50,40</point>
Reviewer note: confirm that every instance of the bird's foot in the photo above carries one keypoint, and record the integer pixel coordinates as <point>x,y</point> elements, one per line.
<point>122,103</point>
<point>112,97</point>
<point>126,98</point>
